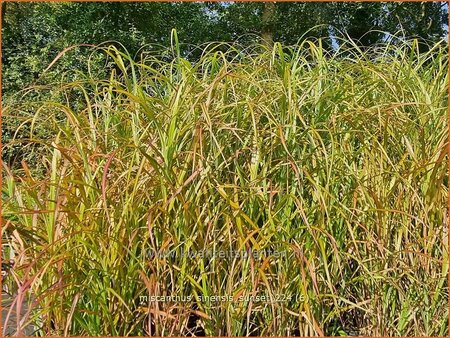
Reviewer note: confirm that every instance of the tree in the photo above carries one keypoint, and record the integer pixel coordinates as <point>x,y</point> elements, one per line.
<point>303,20</point>
<point>424,20</point>
<point>34,33</point>
<point>362,22</point>
<point>268,19</point>
<point>368,23</point>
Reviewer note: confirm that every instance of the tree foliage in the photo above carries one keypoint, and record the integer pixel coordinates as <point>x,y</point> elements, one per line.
<point>34,33</point>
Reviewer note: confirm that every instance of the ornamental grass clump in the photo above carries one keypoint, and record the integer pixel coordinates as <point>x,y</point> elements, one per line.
<point>308,187</point>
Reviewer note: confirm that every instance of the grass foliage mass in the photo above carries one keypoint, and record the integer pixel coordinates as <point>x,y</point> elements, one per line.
<point>337,161</point>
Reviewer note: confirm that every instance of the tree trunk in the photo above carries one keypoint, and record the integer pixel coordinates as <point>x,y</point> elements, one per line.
<point>268,18</point>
